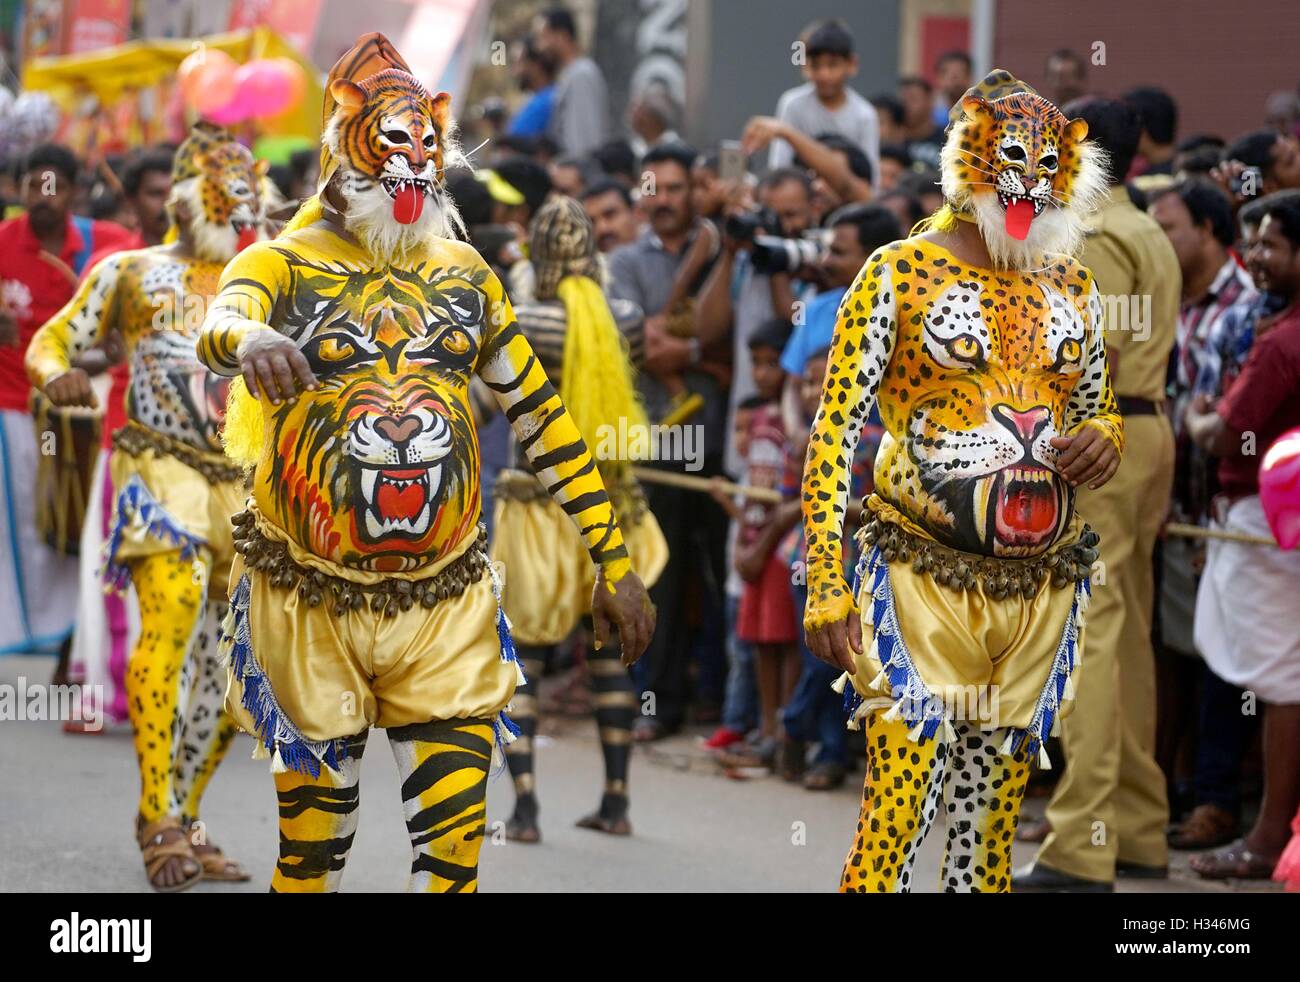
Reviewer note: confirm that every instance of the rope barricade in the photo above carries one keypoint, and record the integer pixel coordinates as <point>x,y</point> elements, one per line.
<point>651,475</point>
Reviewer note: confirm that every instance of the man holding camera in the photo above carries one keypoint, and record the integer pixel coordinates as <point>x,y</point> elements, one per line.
<point>661,272</point>
<point>758,276</point>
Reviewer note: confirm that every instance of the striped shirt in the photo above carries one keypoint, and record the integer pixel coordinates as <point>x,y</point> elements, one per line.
<point>1196,366</point>
<point>1231,293</point>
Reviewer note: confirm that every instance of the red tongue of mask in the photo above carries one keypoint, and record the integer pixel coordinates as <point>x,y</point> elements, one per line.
<point>246,238</point>
<point>1019,214</point>
<point>408,204</point>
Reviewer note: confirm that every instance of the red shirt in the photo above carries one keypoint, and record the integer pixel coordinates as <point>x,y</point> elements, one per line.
<point>34,285</point>
<point>1263,400</point>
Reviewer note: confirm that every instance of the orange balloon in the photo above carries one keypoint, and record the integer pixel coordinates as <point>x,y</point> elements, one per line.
<point>207,79</point>
<point>186,69</point>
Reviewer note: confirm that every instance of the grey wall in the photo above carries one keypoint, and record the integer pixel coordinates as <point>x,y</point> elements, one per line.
<point>738,56</point>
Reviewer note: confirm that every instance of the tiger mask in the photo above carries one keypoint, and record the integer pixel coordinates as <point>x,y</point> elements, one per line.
<point>393,141</point>
<point>1025,173</point>
<point>215,194</point>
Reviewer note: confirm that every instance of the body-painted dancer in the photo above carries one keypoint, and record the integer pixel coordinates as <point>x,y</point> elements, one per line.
<point>170,533</point>
<point>587,346</point>
<point>981,342</point>
<point>363,595</point>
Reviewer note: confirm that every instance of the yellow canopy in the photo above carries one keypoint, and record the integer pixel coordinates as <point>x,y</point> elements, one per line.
<point>109,72</point>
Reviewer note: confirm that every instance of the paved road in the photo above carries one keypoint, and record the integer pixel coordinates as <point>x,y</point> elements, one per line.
<point>68,805</point>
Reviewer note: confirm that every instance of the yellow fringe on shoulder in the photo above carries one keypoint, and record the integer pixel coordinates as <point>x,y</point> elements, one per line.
<point>597,387</point>
<point>943,220</point>
<point>244,431</point>
<point>308,213</point>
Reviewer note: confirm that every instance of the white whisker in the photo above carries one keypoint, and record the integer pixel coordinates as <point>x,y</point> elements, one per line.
<point>972,153</point>
<point>470,153</point>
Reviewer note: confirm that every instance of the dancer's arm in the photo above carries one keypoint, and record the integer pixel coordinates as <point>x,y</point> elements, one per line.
<point>237,336</point>
<point>1094,434</point>
<point>71,332</point>
<point>860,352</point>
<point>564,465</point>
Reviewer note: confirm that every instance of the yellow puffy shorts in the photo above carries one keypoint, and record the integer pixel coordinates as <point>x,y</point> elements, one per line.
<point>931,651</point>
<point>164,504</point>
<point>548,572</point>
<point>330,676</point>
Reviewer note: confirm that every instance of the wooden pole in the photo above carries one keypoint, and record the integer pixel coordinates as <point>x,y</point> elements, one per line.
<point>676,479</point>
<point>1196,532</point>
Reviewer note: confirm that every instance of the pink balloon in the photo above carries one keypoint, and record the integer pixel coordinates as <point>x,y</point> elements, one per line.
<point>1279,488</point>
<point>264,87</point>
<point>228,115</point>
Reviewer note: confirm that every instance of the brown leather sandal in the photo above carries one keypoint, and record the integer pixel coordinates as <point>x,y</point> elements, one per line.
<point>161,840</point>
<point>216,865</point>
<point>1206,827</point>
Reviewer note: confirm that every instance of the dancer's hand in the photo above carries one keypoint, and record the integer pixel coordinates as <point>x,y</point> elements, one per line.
<point>271,361</point>
<point>833,629</point>
<point>629,609</point>
<point>72,388</point>
<point>836,643</point>
<point>1088,457</point>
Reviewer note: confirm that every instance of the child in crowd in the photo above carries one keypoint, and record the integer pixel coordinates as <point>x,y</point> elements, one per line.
<point>825,103</point>
<point>815,712</point>
<point>740,700</point>
<point>766,615</point>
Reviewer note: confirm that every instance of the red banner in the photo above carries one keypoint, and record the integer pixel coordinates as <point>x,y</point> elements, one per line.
<point>293,20</point>
<point>95,24</point>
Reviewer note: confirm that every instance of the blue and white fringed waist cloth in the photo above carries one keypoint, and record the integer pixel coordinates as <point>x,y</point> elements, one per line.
<point>940,653</point>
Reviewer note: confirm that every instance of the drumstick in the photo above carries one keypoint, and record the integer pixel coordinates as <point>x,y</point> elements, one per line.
<point>650,475</point>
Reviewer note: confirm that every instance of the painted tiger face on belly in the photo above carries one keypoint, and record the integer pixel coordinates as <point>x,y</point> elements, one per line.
<point>977,387</point>
<point>379,467</point>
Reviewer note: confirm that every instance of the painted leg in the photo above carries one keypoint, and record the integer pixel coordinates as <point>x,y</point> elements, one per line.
<point>616,705</point>
<point>318,819</point>
<point>444,767</point>
<point>522,826</point>
<point>899,802</point>
<point>207,729</point>
<point>172,592</point>
<point>206,734</point>
<point>982,794</point>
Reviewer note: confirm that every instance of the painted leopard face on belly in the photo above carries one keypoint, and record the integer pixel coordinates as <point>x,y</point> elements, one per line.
<point>977,388</point>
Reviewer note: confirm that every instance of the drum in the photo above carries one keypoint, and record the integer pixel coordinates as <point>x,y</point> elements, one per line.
<point>67,445</point>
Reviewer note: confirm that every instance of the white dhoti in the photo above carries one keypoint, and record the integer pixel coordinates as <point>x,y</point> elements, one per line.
<point>38,586</point>
<point>1247,628</point>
